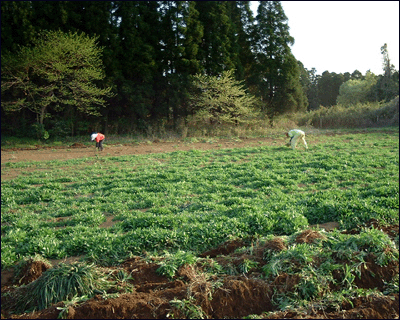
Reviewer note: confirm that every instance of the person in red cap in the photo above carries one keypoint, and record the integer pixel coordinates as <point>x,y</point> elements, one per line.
<point>99,137</point>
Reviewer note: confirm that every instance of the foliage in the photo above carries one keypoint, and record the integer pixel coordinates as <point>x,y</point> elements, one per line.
<point>171,262</point>
<point>388,86</point>
<point>221,100</point>
<point>358,115</point>
<point>62,282</point>
<point>195,200</point>
<point>59,70</point>
<point>275,71</point>
<point>369,240</point>
<point>149,51</point>
<point>40,131</point>
<point>355,91</point>
<point>188,308</point>
<point>319,267</point>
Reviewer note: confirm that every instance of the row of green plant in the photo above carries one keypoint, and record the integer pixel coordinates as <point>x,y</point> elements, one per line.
<point>326,269</point>
<point>195,200</point>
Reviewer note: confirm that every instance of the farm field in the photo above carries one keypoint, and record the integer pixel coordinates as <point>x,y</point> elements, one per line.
<point>241,228</point>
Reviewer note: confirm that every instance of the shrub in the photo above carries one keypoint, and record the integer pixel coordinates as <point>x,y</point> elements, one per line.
<point>221,100</point>
<point>355,116</point>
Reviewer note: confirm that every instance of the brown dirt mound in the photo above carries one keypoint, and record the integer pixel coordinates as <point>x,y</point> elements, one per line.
<point>371,307</point>
<point>225,249</point>
<point>275,244</point>
<point>375,276</point>
<point>78,145</point>
<point>31,271</point>
<point>308,236</point>
<point>193,293</point>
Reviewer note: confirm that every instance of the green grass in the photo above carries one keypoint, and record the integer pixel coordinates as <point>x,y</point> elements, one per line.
<point>195,200</point>
<point>62,282</point>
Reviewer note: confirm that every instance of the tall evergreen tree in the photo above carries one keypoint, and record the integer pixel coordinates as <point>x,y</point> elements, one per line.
<point>328,88</point>
<point>215,52</point>
<point>95,19</point>
<point>276,72</point>
<point>193,31</point>
<point>305,82</point>
<point>181,35</point>
<point>312,92</point>
<point>50,15</point>
<point>136,53</point>
<point>241,18</point>
<point>289,95</point>
<point>388,86</point>
<point>245,37</point>
<point>356,75</point>
<point>16,25</point>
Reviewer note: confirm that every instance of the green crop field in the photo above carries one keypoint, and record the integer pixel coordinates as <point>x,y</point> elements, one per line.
<point>195,200</point>
<point>198,218</point>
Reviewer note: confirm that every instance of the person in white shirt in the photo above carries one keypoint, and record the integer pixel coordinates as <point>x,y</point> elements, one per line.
<point>294,136</point>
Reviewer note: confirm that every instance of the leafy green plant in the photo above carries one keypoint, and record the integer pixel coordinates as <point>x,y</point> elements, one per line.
<point>172,262</point>
<point>247,265</point>
<point>368,240</point>
<point>392,287</point>
<point>122,276</point>
<point>59,283</point>
<point>68,303</point>
<point>290,260</point>
<point>195,200</point>
<point>189,309</point>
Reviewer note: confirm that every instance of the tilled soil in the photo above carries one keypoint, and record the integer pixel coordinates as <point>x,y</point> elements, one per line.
<point>219,297</point>
<point>78,150</point>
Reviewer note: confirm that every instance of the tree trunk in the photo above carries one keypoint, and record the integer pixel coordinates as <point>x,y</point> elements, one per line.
<point>42,113</point>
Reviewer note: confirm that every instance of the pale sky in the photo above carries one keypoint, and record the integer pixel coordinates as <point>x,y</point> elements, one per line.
<point>343,36</point>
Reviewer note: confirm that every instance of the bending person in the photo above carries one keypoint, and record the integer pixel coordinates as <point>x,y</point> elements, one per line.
<point>294,136</point>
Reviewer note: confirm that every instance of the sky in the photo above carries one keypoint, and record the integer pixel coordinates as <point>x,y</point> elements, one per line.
<point>342,36</point>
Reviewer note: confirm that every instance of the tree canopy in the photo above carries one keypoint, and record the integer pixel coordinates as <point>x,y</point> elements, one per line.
<point>59,70</point>
<point>355,91</point>
<point>221,100</point>
<point>148,52</point>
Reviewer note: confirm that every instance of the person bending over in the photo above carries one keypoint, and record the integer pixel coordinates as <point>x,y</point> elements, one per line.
<point>99,137</point>
<point>294,136</point>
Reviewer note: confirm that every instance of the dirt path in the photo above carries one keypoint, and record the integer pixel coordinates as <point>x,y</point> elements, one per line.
<point>80,151</point>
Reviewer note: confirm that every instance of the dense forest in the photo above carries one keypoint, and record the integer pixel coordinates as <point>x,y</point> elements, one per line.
<point>73,67</point>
